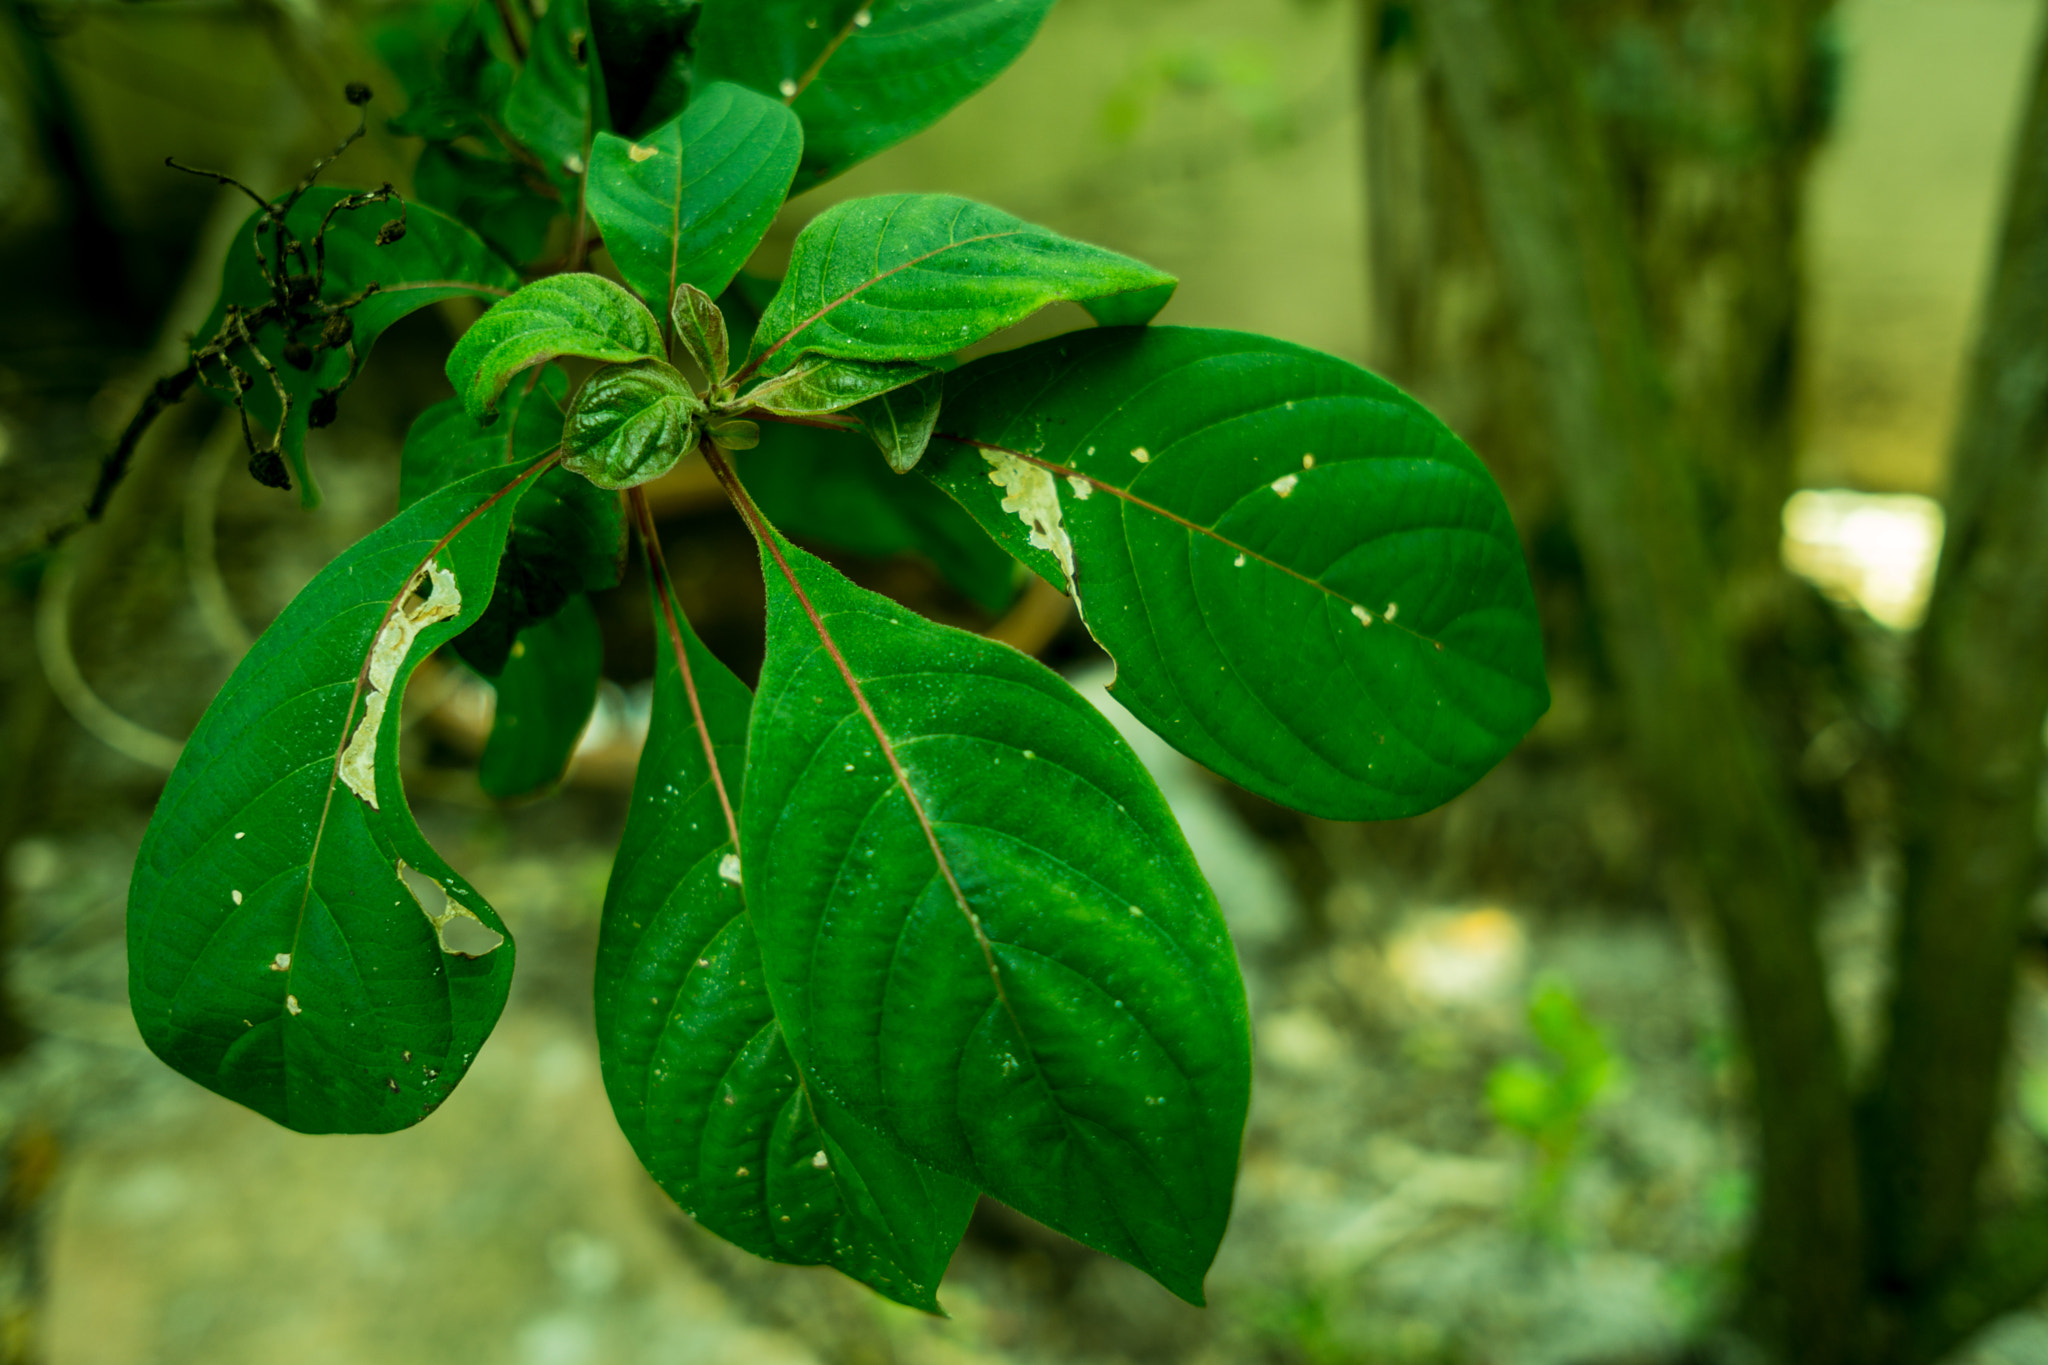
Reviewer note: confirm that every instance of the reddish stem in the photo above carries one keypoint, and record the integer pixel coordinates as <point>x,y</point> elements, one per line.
<point>650,545</point>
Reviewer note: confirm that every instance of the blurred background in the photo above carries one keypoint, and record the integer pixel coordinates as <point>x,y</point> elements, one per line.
<point>1497,1113</point>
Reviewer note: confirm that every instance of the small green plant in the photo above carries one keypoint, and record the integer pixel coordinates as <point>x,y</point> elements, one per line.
<point>1547,1102</point>
<point>907,922</point>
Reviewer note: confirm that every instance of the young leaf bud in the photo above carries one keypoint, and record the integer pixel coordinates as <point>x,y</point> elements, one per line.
<point>391,232</point>
<point>629,423</point>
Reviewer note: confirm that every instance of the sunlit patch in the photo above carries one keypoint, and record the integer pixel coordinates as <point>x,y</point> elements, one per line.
<point>1472,957</point>
<point>1876,551</point>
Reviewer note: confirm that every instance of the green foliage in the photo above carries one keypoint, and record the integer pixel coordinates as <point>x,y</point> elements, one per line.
<point>1547,1102</point>
<point>916,276</point>
<point>1307,582</point>
<point>687,202</point>
<point>912,924</point>
<point>561,315</point>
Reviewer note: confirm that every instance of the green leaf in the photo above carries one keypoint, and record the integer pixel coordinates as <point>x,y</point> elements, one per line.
<point>695,1065</point>
<point>826,487</point>
<point>436,259</point>
<point>545,694</point>
<point>568,536</point>
<point>701,328</point>
<point>557,104</point>
<point>629,424</point>
<point>688,202</point>
<point>900,423</point>
<point>288,947</point>
<point>1307,582</point>
<point>913,276</point>
<point>492,197</point>
<point>817,387</point>
<point>984,933</point>
<point>863,76</point>
<point>576,314</point>
<point>447,58</point>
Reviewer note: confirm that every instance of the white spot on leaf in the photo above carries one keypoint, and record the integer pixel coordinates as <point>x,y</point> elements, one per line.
<point>729,868</point>
<point>1308,462</point>
<point>1238,562</point>
<point>639,153</point>
<point>281,963</point>
<point>788,88</point>
<point>241,834</point>
<point>291,1003</point>
<point>1285,484</point>
<point>1141,455</point>
<point>1364,616</point>
<point>1083,488</point>
<point>863,19</point>
<point>821,1161</point>
<point>1393,610</point>
<point>394,641</point>
<point>237,896</point>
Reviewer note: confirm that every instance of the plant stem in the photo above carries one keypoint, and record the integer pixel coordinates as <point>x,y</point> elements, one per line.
<point>665,594</point>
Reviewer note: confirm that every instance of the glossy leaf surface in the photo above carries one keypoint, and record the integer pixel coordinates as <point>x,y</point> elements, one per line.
<point>914,276</point>
<point>863,76</point>
<point>436,259</point>
<point>693,1060</point>
<point>545,694</point>
<point>277,953</point>
<point>820,386</point>
<point>901,422</point>
<point>689,201</point>
<point>629,424</point>
<point>827,488</point>
<point>700,327</point>
<point>577,314</point>
<point>1307,582</point>
<point>984,933</point>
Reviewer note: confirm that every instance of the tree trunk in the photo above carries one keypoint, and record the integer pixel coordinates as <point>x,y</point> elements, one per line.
<point>1972,772</point>
<point>1656,521</point>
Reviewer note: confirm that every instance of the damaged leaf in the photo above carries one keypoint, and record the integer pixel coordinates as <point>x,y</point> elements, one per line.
<point>275,955</point>
<point>1307,582</point>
